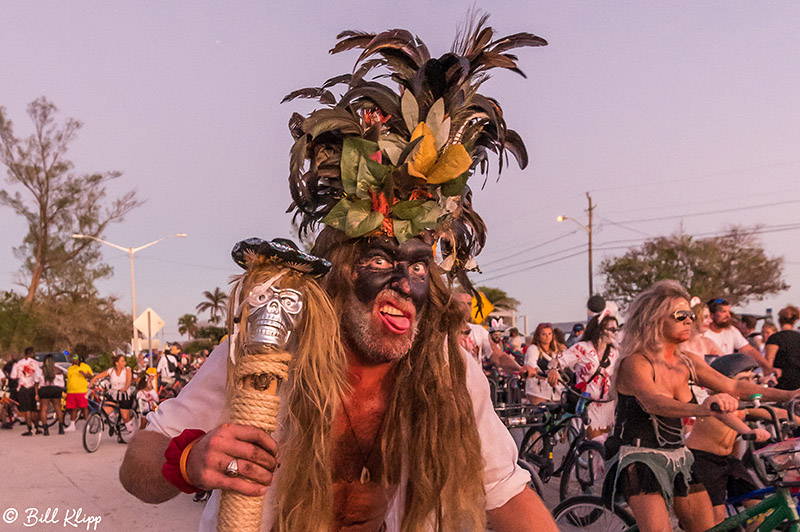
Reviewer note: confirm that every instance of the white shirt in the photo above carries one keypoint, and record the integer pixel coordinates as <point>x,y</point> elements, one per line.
<point>163,366</point>
<point>729,339</point>
<point>117,380</point>
<point>480,338</point>
<point>201,405</point>
<point>28,371</point>
<point>534,385</point>
<point>58,380</point>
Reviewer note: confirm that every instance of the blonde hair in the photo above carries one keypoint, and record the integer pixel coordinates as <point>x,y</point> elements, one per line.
<point>304,494</point>
<point>698,310</point>
<point>429,414</point>
<point>645,324</point>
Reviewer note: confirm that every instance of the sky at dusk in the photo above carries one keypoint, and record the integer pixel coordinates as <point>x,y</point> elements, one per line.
<point>673,115</point>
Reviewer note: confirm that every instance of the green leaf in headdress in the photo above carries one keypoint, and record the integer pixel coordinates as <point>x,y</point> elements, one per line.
<point>429,216</point>
<point>354,150</point>
<point>403,230</point>
<point>361,219</point>
<point>370,177</point>
<point>455,187</point>
<point>407,210</point>
<point>393,145</point>
<point>354,218</point>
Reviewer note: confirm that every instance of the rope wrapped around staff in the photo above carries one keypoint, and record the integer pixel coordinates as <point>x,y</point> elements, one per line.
<point>267,302</point>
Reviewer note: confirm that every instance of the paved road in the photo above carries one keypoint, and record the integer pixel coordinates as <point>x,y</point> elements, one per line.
<point>55,472</point>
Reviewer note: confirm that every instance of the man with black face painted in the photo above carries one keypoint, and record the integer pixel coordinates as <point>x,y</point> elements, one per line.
<point>414,442</point>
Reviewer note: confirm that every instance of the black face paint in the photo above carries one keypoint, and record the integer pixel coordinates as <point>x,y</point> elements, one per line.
<point>383,264</point>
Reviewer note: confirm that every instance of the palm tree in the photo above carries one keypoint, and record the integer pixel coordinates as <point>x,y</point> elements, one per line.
<point>187,324</point>
<point>214,304</point>
<point>499,298</point>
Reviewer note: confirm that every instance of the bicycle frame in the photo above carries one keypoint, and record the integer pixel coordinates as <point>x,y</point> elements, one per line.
<point>783,511</point>
<point>548,430</point>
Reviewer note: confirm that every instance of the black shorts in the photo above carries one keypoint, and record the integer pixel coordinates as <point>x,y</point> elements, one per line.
<point>50,392</point>
<point>26,397</point>
<point>122,399</point>
<point>723,476</point>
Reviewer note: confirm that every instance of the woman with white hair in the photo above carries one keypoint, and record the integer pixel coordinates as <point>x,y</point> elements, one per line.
<point>653,465</point>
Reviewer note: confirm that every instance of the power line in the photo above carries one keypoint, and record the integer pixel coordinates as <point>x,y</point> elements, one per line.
<point>532,267</point>
<point>527,261</point>
<point>535,246</point>
<point>732,209</point>
<point>623,226</point>
<point>770,229</point>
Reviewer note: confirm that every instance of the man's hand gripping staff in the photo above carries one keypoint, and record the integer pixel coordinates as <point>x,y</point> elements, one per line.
<point>267,303</point>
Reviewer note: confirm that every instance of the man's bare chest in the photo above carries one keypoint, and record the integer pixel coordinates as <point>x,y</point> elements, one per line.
<point>361,501</point>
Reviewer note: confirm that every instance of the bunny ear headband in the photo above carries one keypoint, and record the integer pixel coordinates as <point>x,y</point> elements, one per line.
<point>611,309</point>
<point>496,325</point>
<point>694,301</point>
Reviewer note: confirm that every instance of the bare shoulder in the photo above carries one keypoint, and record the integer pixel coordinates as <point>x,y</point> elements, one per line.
<point>635,372</point>
<point>634,364</point>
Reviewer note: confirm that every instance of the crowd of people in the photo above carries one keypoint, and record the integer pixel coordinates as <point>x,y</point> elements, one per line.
<point>653,383</point>
<point>33,388</point>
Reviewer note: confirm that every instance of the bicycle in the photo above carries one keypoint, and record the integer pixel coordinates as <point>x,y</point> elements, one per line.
<point>582,468</point>
<point>7,407</point>
<point>99,420</point>
<point>779,509</point>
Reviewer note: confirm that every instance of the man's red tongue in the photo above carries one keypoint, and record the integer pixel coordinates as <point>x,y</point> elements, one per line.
<point>397,324</point>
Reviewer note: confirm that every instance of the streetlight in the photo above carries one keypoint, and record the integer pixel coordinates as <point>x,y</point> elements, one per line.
<point>131,252</point>
<point>588,229</point>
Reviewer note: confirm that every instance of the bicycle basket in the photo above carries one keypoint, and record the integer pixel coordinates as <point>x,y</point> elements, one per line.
<point>782,457</point>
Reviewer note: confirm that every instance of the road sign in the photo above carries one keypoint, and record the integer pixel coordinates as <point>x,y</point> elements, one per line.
<point>486,308</point>
<point>149,322</point>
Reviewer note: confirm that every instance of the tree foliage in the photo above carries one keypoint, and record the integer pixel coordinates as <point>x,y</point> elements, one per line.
<point>499,298</point>
<point>86,324</point>
<point>56,202</point>
<point>733,266</point>
<point>215,305</point>
<point>187,324</point>
<point>212,333</point>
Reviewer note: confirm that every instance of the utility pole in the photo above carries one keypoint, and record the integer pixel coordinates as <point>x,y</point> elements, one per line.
<point>590,211</point>
<point>588,228</point>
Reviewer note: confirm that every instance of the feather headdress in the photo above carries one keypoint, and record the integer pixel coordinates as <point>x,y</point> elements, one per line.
<point>396,159</point>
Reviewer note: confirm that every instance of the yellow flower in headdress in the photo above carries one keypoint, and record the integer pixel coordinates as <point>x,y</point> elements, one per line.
<point>434,168</point>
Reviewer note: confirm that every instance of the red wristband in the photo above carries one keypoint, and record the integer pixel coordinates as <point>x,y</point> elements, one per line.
<point>171,469</point>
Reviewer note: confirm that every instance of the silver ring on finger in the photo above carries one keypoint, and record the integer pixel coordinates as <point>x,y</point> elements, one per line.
<point>233,468</point>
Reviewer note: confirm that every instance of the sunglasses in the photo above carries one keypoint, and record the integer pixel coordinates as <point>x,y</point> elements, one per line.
<point>612,330</point>
<point>683,315</point>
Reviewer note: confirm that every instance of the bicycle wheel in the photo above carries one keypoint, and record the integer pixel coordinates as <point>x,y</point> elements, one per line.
<point>92,433</point>
<point>536,483</point>
<point>532,444</point>
<point>587,513</point>
<point>584,472</point>
<point>124,434</point>
<point>574,430</point>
